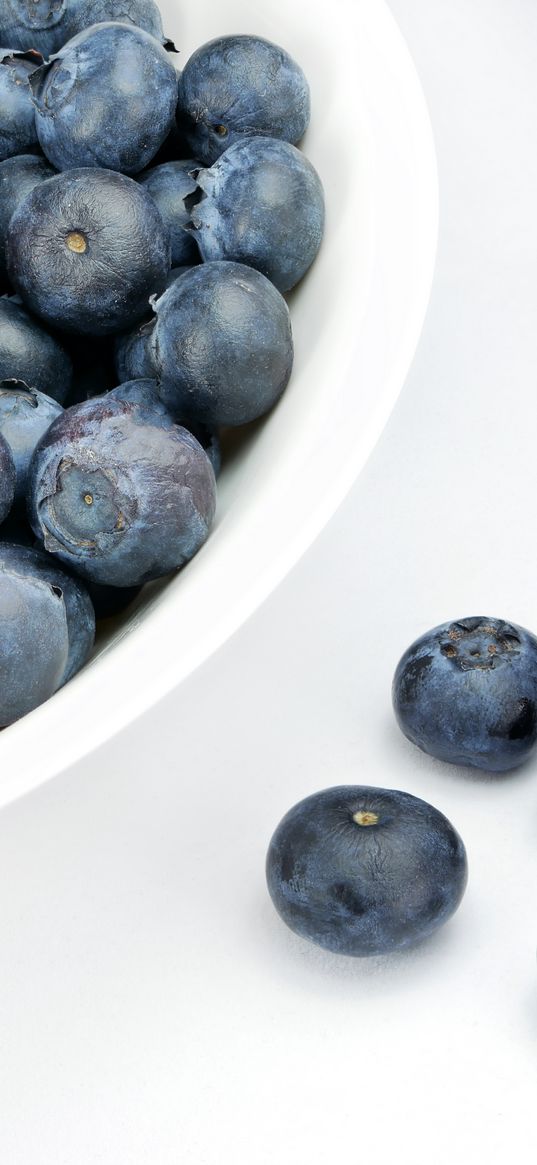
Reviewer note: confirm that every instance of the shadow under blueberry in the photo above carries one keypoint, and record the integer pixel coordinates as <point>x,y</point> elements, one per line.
<point>286,955</point>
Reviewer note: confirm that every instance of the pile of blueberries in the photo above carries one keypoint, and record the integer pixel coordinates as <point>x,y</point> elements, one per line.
<point>151,221</point>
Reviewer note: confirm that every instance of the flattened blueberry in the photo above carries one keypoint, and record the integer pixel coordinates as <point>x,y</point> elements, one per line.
<point>365,871</point>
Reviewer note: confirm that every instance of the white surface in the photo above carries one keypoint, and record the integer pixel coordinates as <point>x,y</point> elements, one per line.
<point>153,1009</point>
<point>356,321</point>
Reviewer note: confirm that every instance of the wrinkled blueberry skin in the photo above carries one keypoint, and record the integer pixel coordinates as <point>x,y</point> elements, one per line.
<point>120,493</point>
<point>18,176</point>
<point>132,355</point>
<point>168,186</point>
<point>25,414</point>
<point>121,255</point>
<point>262,204</point>
<point>366,887</point>
<point>8,477</point>
<point>34,643</point>
<point>142,13</point>
<point>241,86</point>
<point>466,692</point>
<point>107,99</point>
<point>133,358</point>
<point>145,393</point>
<point>18,134</point>
<point>34,24</point>
<point>29,353</point>
<point>79,613</point>
<point>221,344</point>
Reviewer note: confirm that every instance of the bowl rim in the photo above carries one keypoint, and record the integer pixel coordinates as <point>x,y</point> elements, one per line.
<point>34,750</point>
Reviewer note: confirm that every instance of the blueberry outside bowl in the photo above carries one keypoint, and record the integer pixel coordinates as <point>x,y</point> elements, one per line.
<point>357,317</point>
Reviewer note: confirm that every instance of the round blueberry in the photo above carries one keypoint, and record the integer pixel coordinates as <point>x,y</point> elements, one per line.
<point>34,641</point>
<point>144,392</point>
<point>221,344</point>
<point>241,86</point>
<point>8,478</point>
<point>120,493</point>
<point>466,692</point>
<point>365,871</point>
<point>79,612</point>
<point>261,204</point>
<point>29,353</point>
<point>18,176</point>
<point>25,414</point>
<point>169,184</point>
<point>86,250</point>
<point>107,99</point>
<point>18,133</point>
<point>34,24</point>
<point>142,13</point>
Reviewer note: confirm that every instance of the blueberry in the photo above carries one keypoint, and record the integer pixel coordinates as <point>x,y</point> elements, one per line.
<point>169,185</point>
<point>79,613</point>
<point>133,358</point>
<point>18,134</point>
<point>33,24</point>
<point>25,414</point>
<point>86,249</point>
<point>132,355</point>
<point>143,13</point>
<point>29,353</point>
<point>221,344</point>
<point>107,99</point>
<point>120,493</point>
<point>365,871</point>
<point>241,86</point>
<point>145,393</point>
<point>34,643</point>
<point>8,477</point>
<point>18,176</point>
<point>141,394</point>
<point>466,692</point>
<point>261,204</point>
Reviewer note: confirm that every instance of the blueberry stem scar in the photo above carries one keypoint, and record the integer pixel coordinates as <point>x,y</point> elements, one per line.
<point>88,498</point>
<point>76,242</point>
<point>364,818</point>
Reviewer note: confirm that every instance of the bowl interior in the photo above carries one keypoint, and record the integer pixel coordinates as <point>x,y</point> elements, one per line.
<point>356,321</point>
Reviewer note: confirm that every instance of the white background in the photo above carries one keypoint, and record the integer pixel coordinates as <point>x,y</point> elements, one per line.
<point>153,1009</point>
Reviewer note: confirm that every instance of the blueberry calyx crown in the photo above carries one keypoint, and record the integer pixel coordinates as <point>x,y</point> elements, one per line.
<point>479,643</point>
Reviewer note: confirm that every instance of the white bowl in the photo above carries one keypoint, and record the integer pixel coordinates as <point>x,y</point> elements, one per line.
<point>357,317</point>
